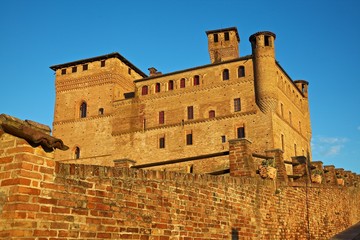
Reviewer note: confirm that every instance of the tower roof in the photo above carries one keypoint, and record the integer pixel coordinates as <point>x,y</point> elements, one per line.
<point>262,33</point>
<point>225,30</point>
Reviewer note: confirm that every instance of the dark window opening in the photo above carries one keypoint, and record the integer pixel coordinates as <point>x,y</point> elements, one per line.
<point>223,139</point>
<point>77,153</point>
<point>237,105</point>
<point>63,71</point>
<point>144,90</point>
<point>282,142</point>
<point>227,36</point>
<point>241,71</point>
<point>102,63</point>
<point>101,111</point>
<point>85,67</point>
<point>189,139</point>
<point>83,108</point>
<point>211,114</point>
<point>216,37</point>
<point>182,83</point>
<point>241,132</point>
<point>171,85</point>
<point>157,87</point>
<point>162,142</point>
<point>161,117</point>
<point>225,74</point>
<point>129,71</point>
<point>74,69</point>
<point>190,112</point>
<point>196,80</point>
<point>267,41</point>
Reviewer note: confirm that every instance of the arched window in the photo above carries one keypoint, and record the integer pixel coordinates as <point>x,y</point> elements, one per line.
<point>196,80</point>
<point>144,90</point>
<point>101,111</point>
<point>77,153</point>
<point>182,83</point>
<point>83,109</point>
<point>225,74</point>
<point>241,71</point>
<point>157,87</point>
<point>211,114</point>
<point>171,85</point>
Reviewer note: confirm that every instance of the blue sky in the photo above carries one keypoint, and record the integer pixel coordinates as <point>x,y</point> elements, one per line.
<point>317,41</point>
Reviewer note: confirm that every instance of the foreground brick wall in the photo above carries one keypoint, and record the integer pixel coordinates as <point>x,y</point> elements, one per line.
<point>39,200</point>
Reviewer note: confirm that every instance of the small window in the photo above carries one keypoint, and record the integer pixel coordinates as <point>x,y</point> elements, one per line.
<point>241,132</point>
<point>63,71</point>
<point>190,112</point>
<point>290,118</point>
<point>182,83</point>
<point>157,87</point>
<point>227,36</point>
<point>196,80</point>
<point>83,109</point>
<point>237,105</point>
<point>102,63</point>
<point>241,71</point>
<point>189,139</point>
<point>225,74</point>
<point>144,90</point>
<point>74,69</point>
<point>282,142</point>
<point>216,37</point>
<point>101,111</point>
<point>282,109</point>
<point>223,139</point>
<point>171,85</point>
<point>267,41</point>
<point>211,114</point>
<point>161,117</point>
<point>85,67</point>
<point>77,153</point>
<point>162,142</point>
<point>129,71</point>
<point>295,150</point>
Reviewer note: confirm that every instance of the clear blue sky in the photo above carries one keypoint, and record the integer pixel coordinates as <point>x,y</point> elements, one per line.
<point>317,40</point>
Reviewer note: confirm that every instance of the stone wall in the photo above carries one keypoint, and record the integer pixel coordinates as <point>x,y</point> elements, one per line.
<point>44,199</point>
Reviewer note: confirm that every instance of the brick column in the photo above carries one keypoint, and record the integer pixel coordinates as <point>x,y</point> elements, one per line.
<point>124,163</point>
<point>240,157</point>
<point>278,155</point>
<point>301,168</point>
<point>330,175</point>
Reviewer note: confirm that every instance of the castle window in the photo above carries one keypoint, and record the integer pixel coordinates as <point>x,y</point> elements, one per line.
<point>282,109</point>
<point>295,149</point>
<point>225,74</point>
<point>216,37</point>
<point>63,71</point>
<point>223,139</point>
<point>85,67</point>
<point>171,85</point>
<point>211,114</point>
<point>157,87</point>
<point>144,90</point>
<point>74,69</point>
<point>237,105</point>
<point>241,132</point>
<point>267,41</point>
<point>189,138</point>
<point>241,71</point>
<point>182,83</point>
<point>227,36</point>
<point>290,118</point>
<point>101,111</point>
<point>83,108</point>
<point>282,142</point>
<point>161,117</point>
<point>190,169</point>
<point>77,153</point>
<point>162,142</point>
<point>190,112</point>
<point>129,71</point>
<point>102,63</point>
<point>196,80</point>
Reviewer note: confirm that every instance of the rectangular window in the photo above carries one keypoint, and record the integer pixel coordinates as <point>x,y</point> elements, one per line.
<point>129,71</point>
<point>162,142</point>
<point>190,112</point>
<point>227,36</point>
<point>102,63</point>
<point>282,109</point>
<point>223,139</point>
<point>295,149</point>
<point>237,105</point>
<point>216,37</point>
<point>74,69</point>
<point>182,83</point>
<point>161,117</point>
<point>196,80</point>
<point>63,71</point>
<point>267,41</point>
<point>282,142</point>
<point>290,118</point>
<point>85,67</point>
<point>241,132</point>
<point>189,139</point>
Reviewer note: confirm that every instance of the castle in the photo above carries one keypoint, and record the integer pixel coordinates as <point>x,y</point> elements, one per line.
<point>108,109</point>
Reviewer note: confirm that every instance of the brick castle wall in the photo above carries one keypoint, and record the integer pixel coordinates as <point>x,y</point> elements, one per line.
<point>41,199</point>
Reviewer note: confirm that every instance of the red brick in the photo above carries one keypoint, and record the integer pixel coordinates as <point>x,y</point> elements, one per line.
<point>27,190</point>
<point>45,233</point>
<point>16,181</point>
<point>23,149</point>
<point>4,160</point>
<point>103,235</point>
<point>59,225</point>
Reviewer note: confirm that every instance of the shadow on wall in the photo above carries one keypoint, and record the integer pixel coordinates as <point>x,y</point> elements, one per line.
<point>234,234</point>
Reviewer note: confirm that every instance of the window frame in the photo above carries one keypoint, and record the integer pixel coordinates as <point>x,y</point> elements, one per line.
<point>237,104</point>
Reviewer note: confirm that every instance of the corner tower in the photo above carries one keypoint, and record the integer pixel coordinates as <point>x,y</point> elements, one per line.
<point>223,44</point>
<point>263,53</point>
